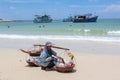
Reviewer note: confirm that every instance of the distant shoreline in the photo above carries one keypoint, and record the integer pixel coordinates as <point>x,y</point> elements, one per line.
<point>13,20</point>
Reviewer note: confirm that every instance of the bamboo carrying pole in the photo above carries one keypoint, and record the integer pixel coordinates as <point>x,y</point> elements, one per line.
<point>51,46</point>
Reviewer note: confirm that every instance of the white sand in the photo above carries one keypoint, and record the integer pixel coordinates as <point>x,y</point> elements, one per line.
<point>95,61</point>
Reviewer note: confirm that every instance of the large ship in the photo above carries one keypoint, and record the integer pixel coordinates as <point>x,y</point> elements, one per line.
<point>42,19</point>
<point>85,18</point>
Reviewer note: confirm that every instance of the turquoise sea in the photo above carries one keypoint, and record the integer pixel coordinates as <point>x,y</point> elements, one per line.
<point>102,30</point>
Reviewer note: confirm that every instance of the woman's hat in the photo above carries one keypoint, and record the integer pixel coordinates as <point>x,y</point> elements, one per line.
<point>48,43</point>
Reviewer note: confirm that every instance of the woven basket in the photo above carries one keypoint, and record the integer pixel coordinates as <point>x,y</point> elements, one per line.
<point>64,69</point>
<point>31,64</point>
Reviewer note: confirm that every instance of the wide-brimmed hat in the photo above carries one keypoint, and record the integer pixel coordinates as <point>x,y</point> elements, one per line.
<point>48,43</point>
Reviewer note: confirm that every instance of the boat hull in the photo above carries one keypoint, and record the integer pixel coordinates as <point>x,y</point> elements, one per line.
<point>42,21</point>
<point>92,19</point>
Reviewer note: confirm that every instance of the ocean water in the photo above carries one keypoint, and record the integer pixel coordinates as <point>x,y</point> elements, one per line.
<point>102,30</point>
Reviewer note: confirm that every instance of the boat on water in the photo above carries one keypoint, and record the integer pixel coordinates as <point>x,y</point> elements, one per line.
<point>42,19</point>
<point>85,18</point>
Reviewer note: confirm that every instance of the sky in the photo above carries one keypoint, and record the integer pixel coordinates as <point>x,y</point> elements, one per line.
<point>57,9</point>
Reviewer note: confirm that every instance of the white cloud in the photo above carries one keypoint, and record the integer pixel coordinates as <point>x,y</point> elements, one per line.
<point>26,1</point>
<point>12,7</point>
<point>75,6</point>
<point>112,8</point>
<point>86,6</point>
<point>92,0</point>
<point>110,11</point>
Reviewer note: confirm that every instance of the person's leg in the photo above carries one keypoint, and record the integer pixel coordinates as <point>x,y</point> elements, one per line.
<point>51,65</point>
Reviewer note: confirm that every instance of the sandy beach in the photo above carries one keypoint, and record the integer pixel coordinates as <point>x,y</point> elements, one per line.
<point>94,61</point>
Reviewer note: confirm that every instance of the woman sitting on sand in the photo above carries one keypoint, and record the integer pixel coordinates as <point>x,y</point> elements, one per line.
<point>46,59</point>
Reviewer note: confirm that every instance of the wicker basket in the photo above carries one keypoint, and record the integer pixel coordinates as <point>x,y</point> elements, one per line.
<point>64,69</point>
<point>32,64</point>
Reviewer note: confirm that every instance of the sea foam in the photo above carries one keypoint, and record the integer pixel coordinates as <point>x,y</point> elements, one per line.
<point>113,32</point>
<point>61,37</point>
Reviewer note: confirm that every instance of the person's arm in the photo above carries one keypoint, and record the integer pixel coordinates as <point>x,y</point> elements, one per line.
<point>48,59</point>
<point>45,56</point>
<point>55,55</point>
<point>53,52</point>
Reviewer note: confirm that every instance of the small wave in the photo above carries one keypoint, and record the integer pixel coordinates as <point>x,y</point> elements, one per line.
<point>61,37</point>
<point>113,32</point>
<point>18,36</point>
<point>87,30</point>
